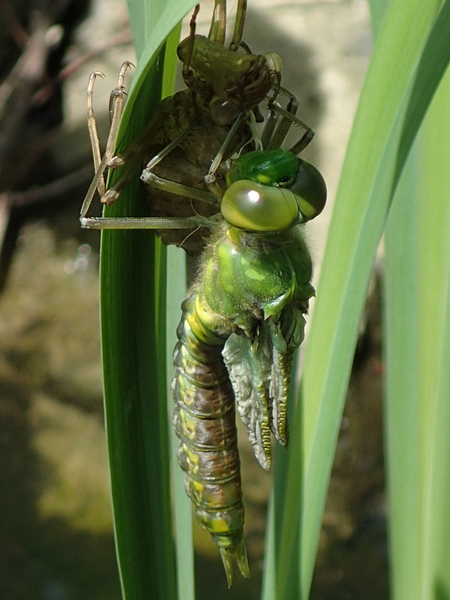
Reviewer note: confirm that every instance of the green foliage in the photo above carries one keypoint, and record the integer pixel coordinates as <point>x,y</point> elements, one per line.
<point>417,333</point>
<point>392,105</point>
<point>133,276</point>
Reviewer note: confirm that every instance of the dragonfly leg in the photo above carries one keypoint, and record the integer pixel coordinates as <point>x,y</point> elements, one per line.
<point>117,101</point>
<point>279,132</point>
<point>171,186</point>
<point>116,104</point>
<point>192,28</point>
<point>92,126</point>
<point>210,178</point>
<point>186,191</point>
<point>130,160</point>
<point>147,222</point>
<point>277,128</point>
<point>215,193</point>
<point>239,25</point>
<point>127,160</point>
<point>217,31</point>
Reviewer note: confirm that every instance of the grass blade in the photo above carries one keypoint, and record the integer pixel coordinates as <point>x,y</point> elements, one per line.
<point>367,184</point>
<point>417,351</point>
<point>176,293</point>
<point>134,342</point>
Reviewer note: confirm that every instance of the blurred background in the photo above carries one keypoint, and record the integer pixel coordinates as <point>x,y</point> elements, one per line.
<point>55,518</point>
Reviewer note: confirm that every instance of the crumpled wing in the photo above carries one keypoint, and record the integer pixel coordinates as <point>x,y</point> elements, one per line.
<point>259,370</point>
<point>249,366</point>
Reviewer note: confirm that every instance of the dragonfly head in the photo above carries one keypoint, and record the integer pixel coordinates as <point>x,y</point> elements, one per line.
<point>272,190</point>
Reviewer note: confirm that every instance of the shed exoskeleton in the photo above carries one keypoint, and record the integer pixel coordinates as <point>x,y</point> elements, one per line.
<point>187,144</point>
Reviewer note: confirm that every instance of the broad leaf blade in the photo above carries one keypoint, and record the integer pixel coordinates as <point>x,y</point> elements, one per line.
<point>364,196</point>
<point>417,351</point>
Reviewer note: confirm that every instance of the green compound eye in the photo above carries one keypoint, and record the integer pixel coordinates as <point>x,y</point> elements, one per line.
<point>310,189</point>
<point>255,207</point>
<point>276,170</point>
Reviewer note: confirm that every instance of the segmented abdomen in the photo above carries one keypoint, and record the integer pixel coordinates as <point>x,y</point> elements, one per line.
<point>244,319</point>
<point>204,420</point>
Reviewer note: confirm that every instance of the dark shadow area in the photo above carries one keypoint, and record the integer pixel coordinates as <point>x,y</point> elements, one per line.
<point>215,584</point>
<point>441,591</point>
<point>352,559</point>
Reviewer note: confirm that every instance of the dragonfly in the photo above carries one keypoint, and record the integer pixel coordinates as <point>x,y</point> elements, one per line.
<point>208,168</point>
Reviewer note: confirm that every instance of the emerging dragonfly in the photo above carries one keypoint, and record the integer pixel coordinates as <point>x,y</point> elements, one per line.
<point>208,167</point>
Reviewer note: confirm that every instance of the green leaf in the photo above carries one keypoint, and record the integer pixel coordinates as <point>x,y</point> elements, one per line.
<point>367,184</point>
<point>176,293</point>
<point>133,280</point>
<point>417,357</point>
